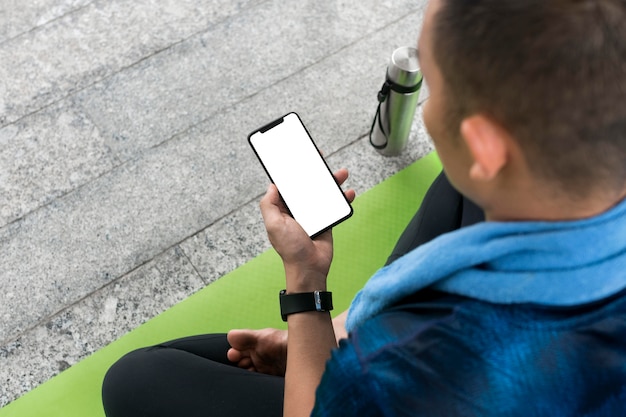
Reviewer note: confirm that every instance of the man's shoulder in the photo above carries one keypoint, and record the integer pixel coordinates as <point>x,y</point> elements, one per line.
<point>453,351</point>
<point>483,325</point>
<point>405,322</point>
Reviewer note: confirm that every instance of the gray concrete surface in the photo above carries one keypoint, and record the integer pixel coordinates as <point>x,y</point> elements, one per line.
<point>126,182</point>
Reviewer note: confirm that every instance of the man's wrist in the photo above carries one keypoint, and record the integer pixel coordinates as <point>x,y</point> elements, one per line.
<point>305,282</point>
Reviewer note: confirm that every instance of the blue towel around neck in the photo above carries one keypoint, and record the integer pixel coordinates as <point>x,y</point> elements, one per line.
<point>561,263</point>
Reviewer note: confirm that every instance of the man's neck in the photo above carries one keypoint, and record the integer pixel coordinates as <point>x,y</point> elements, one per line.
<point>538,208</point>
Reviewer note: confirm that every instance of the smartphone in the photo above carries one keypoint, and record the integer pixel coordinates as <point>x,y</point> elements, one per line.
<point>305,183</point>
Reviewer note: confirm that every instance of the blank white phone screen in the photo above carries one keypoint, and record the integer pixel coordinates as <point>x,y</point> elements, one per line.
<point>304,181</point>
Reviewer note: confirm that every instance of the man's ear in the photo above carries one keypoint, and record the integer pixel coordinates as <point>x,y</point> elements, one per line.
<point>487,144</point>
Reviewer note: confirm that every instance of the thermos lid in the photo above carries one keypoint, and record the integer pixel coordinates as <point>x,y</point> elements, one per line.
<point>405,67</point>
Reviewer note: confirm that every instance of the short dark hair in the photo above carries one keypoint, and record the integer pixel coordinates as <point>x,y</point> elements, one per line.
<point>553,72</point>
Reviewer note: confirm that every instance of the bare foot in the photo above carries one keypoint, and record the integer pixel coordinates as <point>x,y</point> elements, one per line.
<point>262,351</point>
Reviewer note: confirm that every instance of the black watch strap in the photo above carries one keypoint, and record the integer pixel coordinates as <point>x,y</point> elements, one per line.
<point>304,301</point>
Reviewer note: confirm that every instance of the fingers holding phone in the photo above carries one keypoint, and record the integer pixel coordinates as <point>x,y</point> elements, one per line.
<point>275,212</point>
<point>341,176</point>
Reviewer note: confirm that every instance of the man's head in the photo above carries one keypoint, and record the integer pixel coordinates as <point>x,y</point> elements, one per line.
<point>550,74</point>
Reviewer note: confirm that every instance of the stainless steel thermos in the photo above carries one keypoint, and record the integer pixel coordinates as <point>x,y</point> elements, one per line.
<point>397,101</point>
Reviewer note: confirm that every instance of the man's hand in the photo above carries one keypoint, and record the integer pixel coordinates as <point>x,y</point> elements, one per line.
<point>307,261</point>
<point>263,351</point>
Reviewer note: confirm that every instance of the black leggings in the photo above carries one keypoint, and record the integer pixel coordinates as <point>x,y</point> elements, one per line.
<point>188,377</point>
<point>192,376</point>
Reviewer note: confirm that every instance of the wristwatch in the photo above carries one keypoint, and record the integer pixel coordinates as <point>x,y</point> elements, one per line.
<point>304,301</point>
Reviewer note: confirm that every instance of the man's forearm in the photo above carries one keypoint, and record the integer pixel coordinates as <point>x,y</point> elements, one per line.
<point>310,340</point>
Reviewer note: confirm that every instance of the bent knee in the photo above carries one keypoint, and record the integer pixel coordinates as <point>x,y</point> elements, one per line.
<point>125,383</point>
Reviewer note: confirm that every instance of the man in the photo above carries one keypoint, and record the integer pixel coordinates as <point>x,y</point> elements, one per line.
<point>524,314</point>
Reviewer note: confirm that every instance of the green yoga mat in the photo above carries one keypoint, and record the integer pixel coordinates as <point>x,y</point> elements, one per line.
<point>248,296</point>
